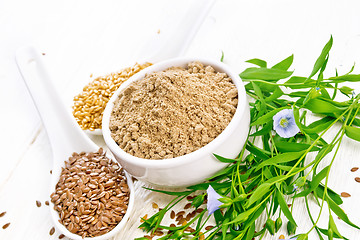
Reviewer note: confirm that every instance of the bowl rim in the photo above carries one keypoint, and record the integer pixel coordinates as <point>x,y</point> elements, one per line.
<point>184,159</point>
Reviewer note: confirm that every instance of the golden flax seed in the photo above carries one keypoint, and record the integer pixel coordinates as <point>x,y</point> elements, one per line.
<point>90,103</point>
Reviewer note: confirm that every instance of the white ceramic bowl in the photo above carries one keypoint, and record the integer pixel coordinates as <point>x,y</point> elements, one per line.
<point>196,166</point>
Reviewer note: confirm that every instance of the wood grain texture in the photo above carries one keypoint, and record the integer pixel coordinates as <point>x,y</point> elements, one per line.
<point>84,37</point>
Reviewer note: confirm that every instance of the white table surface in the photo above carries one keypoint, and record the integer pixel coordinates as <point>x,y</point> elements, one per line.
<point>81,37</point>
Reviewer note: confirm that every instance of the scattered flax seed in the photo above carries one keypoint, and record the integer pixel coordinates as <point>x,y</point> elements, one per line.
<point>52,231</point>
<point>199,210</point>
<point>61,236</point>
<point>47,203</point>
<point>2,214</point>
<point>345,194</point>
<point>43,54</point>
<point>158,31</point>
<point>282,237</point>
<point>190,198</point>
<point>91,75</point>
<point>180,213</point>
<point>6,226</point>
<point>202,236</point>
<point>158,233</point>
<point>178,218</point>
<point>187,206</point>
<point>38,203</point>
<point>89,105</point>
<point>154,205</point>
<point>357,179</point>
<point>209,227</point>
<point>50,171</point>
<point>354,169</point>
<point>172,214</point>
<point>172,225</point>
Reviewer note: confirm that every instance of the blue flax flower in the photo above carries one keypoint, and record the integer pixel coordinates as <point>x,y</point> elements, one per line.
<point>284,123</point>
<point>213,202</point>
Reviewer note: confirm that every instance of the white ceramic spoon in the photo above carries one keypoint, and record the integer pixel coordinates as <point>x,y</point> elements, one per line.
<point>64,133</point>
<point>174,39</point>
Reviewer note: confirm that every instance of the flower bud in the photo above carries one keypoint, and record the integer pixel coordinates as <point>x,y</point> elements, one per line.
<point>240,198</point>
<point>198,200</point>
<point>177,234</point>
<point>302,237</point>
<point>291,228</point>
<point>300,181</point>
<point>278,224</point>
<point>270,226</point>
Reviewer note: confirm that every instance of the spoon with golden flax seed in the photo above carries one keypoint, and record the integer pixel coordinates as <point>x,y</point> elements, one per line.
<point>64,134</point>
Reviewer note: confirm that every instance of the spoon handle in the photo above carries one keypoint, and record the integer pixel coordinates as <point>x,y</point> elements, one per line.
<point>60,126</point>
<point>177,35</point>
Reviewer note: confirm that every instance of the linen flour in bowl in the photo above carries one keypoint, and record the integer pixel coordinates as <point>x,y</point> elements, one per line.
<point>178,112</point>
<point>171,113</point>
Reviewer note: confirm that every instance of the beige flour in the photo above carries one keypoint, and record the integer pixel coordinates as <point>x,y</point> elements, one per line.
<point>174,112</point>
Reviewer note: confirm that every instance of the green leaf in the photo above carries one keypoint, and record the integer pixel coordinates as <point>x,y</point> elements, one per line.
<point>265,130</point>
<point>346,78</point>
<point>317,105</point>
<point>261,153</point>
<point>319,125</point>
<point>250,232</point>
<point>242,217</point>
<point>322,58</point>
<point>259,93</point>
<point>283,146</point>
<point>287,168</point>
<point>296,82</point>
<point>325,232</point>
<point>284,64</point>
<point>225,160</point>
<point>269,74</point>
<point>267,117</point>
<point>258,62</point>
<point>319,191</point>
<point>264,86</point>
<point>277,93</point>
<point>222,56</point>
<point>219,218</point>
<point>339,212</point>
<point>255,216</point>
<point>346,90</point>
<point>259,192</point>
<point>281,158</point>
<point>314,183</point>
<point>284,207</point>
<point>313,93</point>
<point>332,226</point>
<point>353,133</point>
